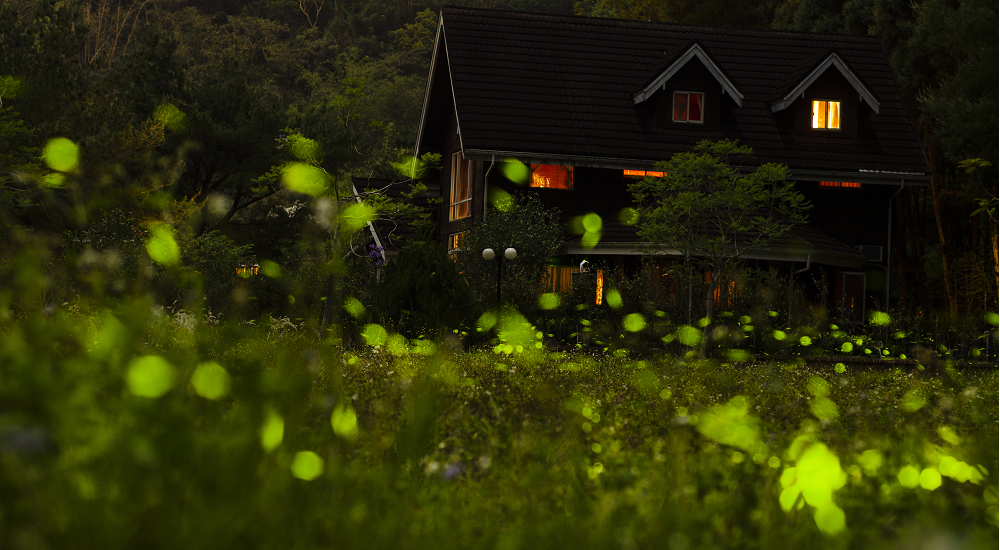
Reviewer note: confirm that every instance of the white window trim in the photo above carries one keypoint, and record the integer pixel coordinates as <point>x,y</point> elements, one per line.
<point>673,107</point>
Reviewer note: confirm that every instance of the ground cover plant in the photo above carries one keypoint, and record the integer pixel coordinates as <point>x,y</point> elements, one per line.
<point>133,426</point>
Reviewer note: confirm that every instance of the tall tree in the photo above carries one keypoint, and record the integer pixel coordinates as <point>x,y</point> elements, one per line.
<point>708,208</point>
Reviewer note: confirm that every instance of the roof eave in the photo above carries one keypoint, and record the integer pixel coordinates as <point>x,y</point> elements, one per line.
<point>438,37</point>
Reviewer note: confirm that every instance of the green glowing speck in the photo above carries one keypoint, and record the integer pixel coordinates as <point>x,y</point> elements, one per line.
<point>908,477</point>
<point>150,376</point>
<point>345,422</point>
<point>210,380</point>
<point>61,154</point>
<point>930,479</point>
<point>307,465</point>
<point>272,432</point>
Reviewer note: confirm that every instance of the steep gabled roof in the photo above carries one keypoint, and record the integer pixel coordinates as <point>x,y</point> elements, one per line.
<point>665,72</point>
<point>800,82</point>
<point>559,89</point>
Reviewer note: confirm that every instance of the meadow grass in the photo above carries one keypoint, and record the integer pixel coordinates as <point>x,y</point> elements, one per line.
<point>137,428</point>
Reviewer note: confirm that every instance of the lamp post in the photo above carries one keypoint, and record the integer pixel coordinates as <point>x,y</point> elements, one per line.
<point>488,255</point>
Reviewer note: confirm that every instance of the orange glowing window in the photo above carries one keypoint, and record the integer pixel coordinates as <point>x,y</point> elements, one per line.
<point>551,176</point>
<point>461,187</point>
<point>726,291</point>
<point>455,241</point>
<point>688,107</point>
<point>642,173</point>
<point>600,287</point>
<point>826,115</point>
<point>851,184</point>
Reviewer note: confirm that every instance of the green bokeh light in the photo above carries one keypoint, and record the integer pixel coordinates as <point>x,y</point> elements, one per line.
<point>354,306</point>
<point>305,179</point>
<point>150,376</point>
<point>548,301</point>
<point>930,479</point>
<point>908,477</point>
<point>345,422</point>
<point>61,154</point>
<point>913,401</point>
<point>210,380</point>
<point>613,298</point>
<point>516,171</point>
<point>271,269</point>
<point>161,246</point>
<point>634,322</point>
<point>171,117</point>
<point>272,432</point>
<point>689,336</point>
<point>374,334</point>
<point>307,465</point>
<point>356,216</point>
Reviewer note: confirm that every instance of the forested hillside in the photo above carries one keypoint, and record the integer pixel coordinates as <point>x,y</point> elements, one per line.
<point>184,111</point>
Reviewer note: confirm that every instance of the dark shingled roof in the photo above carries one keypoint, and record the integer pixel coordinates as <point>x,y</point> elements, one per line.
<point>562,85</point>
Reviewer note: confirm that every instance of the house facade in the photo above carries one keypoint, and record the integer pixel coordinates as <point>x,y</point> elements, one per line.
<point>588,104</point>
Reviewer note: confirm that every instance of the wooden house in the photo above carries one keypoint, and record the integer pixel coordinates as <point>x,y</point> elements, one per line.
<point>589,103</point>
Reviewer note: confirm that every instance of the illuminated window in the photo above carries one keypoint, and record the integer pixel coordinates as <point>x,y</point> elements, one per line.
<point>850,184</point>
<point>455,242</point>
<point>551,176</point>
<point>600,287</point>
<point>726,291</point>
<point>560,279</point>
<point>461,187</point>
<point>643,173</point>
<point>826,115</point>
<point>688,107</point>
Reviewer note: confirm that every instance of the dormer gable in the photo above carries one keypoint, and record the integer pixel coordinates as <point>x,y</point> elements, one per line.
<point>811,70</point>
<point>674,63</point>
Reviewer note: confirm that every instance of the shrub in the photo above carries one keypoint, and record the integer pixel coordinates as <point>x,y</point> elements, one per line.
<point>422,293</point>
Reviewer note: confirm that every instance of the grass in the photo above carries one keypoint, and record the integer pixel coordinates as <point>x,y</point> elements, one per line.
<point>448,449</point>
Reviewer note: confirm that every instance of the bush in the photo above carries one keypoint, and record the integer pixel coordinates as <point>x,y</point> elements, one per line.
<point>422,293</point>
<point>522,223</point>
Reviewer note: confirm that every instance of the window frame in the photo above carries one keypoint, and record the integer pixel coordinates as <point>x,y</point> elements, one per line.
<point>840,115</point>
<point>567,168</point>
<point>459,204</point>
<point>673,107</point>
<point>456,241</point>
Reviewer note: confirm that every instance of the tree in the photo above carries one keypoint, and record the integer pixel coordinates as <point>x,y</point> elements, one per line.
<point>713,211</point>
<point>520,222</point>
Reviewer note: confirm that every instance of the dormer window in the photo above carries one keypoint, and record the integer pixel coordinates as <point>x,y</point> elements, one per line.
<point>825,115</point>
<point>689,107</point>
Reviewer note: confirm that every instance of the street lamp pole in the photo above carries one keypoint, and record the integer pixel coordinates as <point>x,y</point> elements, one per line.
<point>488,255</point>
